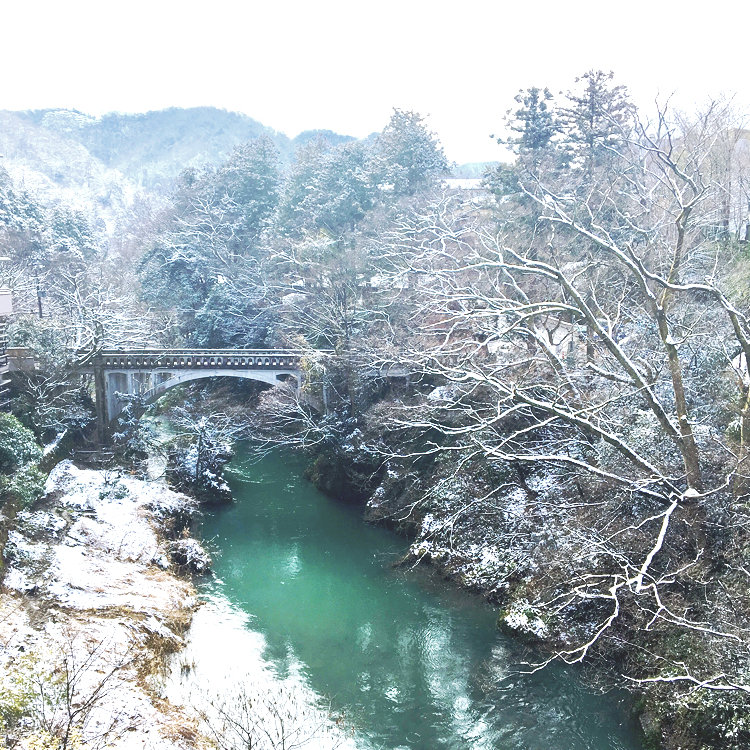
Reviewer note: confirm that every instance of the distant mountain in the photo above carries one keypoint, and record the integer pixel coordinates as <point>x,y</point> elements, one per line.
<point>51,165</point>
<point>151,149</point>
<point>311,135</point>
<point>100,164</point>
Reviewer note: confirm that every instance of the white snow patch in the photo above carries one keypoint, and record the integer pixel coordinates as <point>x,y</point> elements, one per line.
<point>50,447</point>
<point>294,298</point>
<point>443,393</point>
<point>515,503</point>
<point>430,524</point>
<point>111,556</point>
<point>41,521</point>
<point>17,580</point>
<point>524,618</point>
<point>19,546</point>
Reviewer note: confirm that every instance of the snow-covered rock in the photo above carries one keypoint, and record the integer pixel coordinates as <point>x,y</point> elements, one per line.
<point>448,393</point>
<point>190,555</point>
<point>523,618</point>
<point>87,585</point>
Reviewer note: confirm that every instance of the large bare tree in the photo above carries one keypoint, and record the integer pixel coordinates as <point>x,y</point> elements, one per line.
<point>585,329</point>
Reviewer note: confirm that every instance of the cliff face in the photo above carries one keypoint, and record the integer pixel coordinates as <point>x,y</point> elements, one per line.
<point>90,610</point>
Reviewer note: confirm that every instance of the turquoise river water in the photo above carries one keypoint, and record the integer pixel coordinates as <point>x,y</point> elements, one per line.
<point>409,661</point>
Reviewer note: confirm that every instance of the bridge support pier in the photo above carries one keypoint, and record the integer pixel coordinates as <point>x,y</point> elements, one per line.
<point>100,395</point>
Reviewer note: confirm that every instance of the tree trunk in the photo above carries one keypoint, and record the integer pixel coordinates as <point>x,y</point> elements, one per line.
<point>741,478</point>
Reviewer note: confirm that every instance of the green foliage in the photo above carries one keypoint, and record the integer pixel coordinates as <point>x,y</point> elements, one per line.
<point>27,485</point>
<point>21,217</point>
<point>411,157</point>
<point>17,445</point>
<point>20,477</point>
<point>238,239</point>
<point>701,719</point>
<point>17,690</point>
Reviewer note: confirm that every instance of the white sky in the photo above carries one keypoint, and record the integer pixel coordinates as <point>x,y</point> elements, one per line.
<point>344,64</point>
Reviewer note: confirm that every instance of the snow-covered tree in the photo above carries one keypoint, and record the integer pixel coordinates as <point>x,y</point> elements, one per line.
<point>596,118</point>
<point>534,124</point>
<point>329,189</point>
<point>208,252</point>
<point>411,157</point>
<point>610,354</point>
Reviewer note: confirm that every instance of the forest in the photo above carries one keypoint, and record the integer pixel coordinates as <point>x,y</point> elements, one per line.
<point>541,377</point>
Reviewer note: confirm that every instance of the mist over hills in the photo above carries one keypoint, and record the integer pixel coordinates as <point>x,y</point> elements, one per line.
<point>150,149</point>
<point>101,165</point>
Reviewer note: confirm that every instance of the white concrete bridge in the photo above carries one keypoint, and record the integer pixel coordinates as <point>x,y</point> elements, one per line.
<point>151,372</point>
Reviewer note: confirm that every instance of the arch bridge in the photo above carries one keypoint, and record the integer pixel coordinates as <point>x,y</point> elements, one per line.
<point>151,372</point>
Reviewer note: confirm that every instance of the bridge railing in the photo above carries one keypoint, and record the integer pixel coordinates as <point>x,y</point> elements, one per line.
<point>200,358</point>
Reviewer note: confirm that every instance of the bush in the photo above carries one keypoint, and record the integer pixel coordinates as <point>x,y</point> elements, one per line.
<point>17,445</point>
<point>26,485</point>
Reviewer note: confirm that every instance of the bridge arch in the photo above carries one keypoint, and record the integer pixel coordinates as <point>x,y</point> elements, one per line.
<point>152,385</point>
<point>185,376</point>
<point>152,372</point>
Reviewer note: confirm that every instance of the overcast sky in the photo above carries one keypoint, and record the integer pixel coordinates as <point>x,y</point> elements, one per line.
<point>344,65</point>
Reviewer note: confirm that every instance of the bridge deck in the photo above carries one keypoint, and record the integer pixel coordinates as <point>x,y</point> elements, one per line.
<point>200,358</point>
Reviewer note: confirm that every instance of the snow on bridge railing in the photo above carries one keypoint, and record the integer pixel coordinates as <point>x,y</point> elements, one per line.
<point>201,358</point>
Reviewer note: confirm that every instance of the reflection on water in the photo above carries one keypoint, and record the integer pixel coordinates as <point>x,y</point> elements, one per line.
<point>410,664</point>
<point>223,676</point>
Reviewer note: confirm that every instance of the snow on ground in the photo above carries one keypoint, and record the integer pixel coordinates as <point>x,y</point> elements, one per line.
<point>444,393</point>
<point>87,584</point>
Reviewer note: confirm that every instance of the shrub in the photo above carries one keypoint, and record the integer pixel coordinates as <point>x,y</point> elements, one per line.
<point>26,485</point>
<point>17,445</point>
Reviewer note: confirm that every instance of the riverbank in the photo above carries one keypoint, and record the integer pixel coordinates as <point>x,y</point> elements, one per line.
<point>532,541</point>
<point>90,610</point>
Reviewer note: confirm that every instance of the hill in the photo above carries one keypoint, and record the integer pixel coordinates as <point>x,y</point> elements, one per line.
<point>151,149</point>
<point>100,164</point>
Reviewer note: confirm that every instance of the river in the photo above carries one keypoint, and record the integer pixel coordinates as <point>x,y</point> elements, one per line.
<point>308,596</point>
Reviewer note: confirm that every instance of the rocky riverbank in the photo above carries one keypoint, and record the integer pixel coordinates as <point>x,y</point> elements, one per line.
<point>92,606</point>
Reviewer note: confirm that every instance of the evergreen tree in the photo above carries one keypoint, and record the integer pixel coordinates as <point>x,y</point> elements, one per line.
<point>411,157</point>
<point>535,125</point>
<point>249,187</point>
<point>330,188</point>
<point>596,119</point>
<point>209,250</point>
